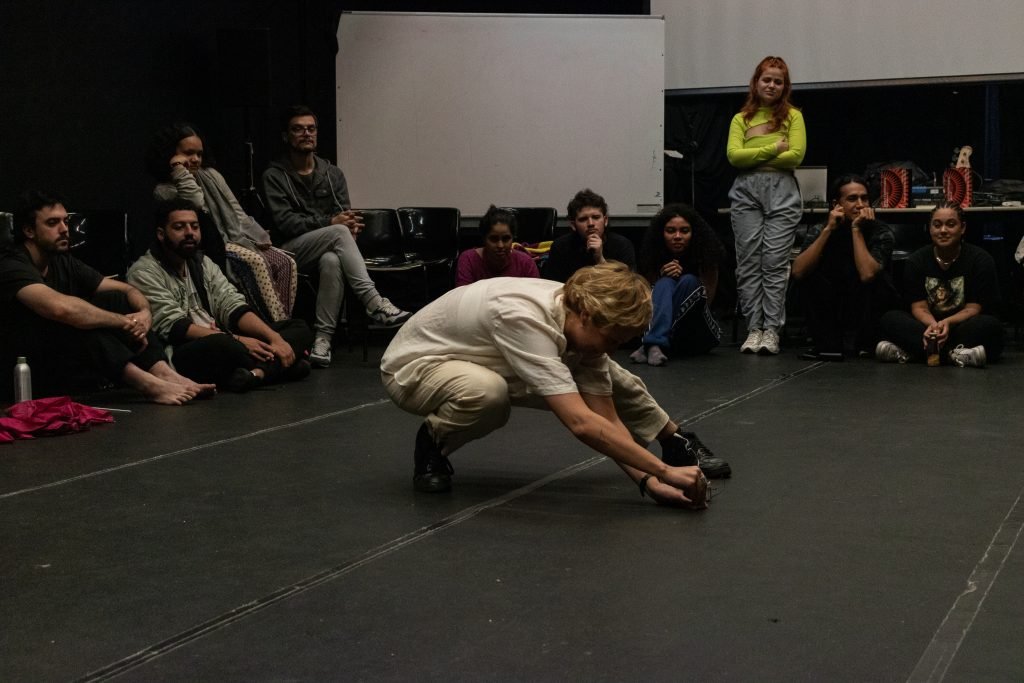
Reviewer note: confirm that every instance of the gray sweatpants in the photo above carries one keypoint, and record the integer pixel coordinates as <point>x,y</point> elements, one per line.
<point>333,252</point>
<point>766,208</point>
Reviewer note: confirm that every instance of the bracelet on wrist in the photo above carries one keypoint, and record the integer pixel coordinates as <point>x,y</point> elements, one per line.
<point>643,484</point>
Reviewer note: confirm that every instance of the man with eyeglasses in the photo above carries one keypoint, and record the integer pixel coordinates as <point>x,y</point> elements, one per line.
<point>77,329</point>
<point>308,201</point>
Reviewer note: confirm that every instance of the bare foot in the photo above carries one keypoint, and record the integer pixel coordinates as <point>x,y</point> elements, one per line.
<point>168,393</point>
<point>156,389</point>
<point>168,374</point>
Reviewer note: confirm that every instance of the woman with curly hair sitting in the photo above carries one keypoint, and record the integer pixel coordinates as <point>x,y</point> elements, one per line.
<point>680,257</point>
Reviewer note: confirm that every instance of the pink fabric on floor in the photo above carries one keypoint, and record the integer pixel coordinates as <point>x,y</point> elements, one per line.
<point>49,417</point>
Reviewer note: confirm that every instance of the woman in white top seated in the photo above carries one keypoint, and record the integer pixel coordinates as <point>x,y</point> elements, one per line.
<point>266,275</point>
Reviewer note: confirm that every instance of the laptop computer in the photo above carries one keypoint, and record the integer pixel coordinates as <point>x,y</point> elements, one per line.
<point>813,182</point>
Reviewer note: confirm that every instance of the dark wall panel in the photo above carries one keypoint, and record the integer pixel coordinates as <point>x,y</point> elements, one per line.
<point>86,84</point>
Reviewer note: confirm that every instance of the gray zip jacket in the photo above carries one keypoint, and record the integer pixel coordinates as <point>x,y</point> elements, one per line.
<point>297,207</point>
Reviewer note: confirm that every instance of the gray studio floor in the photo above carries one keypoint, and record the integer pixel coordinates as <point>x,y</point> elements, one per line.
<point>870,533</point>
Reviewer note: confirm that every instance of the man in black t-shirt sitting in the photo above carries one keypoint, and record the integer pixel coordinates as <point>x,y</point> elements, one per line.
<point>843,274</point>
<point>590,242</point>
<point>67,319</point>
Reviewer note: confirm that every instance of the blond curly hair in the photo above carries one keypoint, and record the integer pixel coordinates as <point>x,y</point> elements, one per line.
<point>611,294</point>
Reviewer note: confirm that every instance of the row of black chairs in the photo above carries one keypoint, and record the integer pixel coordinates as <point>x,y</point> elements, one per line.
<point>410,240</point>
<point>420,246</point>
<point>417,239</point>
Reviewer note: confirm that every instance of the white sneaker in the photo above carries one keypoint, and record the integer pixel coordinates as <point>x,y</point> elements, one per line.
<point>974,357</point>
<point>320,356</point>
<point>388,314</point>
<point>753,342</point>
<point>887,352</point>
<point>769,343</point>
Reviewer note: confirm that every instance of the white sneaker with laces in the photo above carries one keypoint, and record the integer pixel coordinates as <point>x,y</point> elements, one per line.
<point>320,355</point>
<point>769,343</point>
<point>388,314</point>
<point>887,352</point>
<point>753,342</point>
<point>964,357</point>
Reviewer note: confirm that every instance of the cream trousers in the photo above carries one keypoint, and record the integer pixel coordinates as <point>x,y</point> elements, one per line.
<point>463,401</point>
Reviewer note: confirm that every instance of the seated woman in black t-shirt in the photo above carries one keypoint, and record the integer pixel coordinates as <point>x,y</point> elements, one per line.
<point>954,294</point>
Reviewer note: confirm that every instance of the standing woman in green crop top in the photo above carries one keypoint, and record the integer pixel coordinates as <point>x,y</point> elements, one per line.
<point>767,141</point>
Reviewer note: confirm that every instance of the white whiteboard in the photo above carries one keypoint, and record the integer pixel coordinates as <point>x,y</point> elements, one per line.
<point>717,44</point>
<point>467,110</point>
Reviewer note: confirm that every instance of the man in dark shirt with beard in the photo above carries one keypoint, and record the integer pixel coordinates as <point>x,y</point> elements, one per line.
<point>66,318</point>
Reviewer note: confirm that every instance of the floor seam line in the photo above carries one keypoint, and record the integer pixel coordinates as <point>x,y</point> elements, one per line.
<point>938,656</point>
<point>757,391</point>
<point>281,594</point>
<point>190,449</point>
<point>243,611</point>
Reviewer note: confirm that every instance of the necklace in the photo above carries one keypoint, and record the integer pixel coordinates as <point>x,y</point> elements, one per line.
<point>944,263</point>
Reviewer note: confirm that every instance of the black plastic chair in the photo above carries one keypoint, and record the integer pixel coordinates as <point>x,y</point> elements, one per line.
<point>535,223</point>
<point>382,244</point>
<point>384,251</point>
<point>100,239</point>
<point>431,235</point>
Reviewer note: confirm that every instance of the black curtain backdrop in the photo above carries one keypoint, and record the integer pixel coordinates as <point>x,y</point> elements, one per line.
<point>85,84</point>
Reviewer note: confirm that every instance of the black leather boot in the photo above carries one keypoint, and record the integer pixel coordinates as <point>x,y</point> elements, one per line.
<point>432,472</point>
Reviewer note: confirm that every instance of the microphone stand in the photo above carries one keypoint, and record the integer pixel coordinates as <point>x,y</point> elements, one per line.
<point>689,154</point>
<point>692,152</point>
<point>250,193</point>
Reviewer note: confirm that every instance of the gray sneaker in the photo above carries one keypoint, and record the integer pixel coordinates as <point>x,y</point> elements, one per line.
<point>320,355</point>
<point>388,314</point>
<point>769,343</point>
<point>973,357</point>
<point>887,352</point>
<point>753,342</point>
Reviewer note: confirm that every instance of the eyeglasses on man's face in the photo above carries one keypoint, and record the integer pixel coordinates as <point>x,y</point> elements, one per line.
<point>298,129</point>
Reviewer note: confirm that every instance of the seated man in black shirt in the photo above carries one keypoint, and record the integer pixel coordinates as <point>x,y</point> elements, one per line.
<point>842,270</point>
<point>589,243</point>
<point>69,320</point>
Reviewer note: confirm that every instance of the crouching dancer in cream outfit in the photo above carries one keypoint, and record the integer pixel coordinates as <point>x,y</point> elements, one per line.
<point>467,358</point>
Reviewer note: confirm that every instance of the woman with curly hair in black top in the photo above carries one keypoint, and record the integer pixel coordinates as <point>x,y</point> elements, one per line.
<point>680,256</point>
